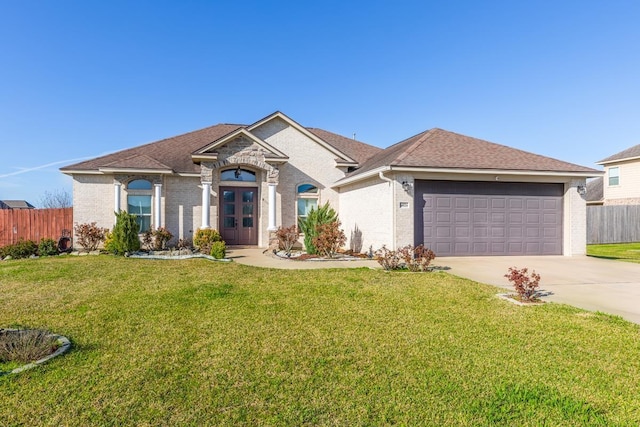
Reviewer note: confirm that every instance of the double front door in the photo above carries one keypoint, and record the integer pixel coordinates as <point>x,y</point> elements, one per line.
<point>239,215</point>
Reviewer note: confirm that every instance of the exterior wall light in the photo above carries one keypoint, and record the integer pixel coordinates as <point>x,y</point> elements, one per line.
<point>406,186</point>
<point>582,189</point>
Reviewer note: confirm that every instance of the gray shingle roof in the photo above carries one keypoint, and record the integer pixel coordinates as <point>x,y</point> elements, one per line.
<point>172,153</point>
<point>595,190</point>
<point>359,151</point>
<point>175,153</point>
<point>15,204</point>
<point>625,154</point>
<point>437,148</point>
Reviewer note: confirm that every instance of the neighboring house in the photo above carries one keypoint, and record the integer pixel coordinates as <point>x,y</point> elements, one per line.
<point>621,183</point>
<point>15,204</point>
<point>595,192</point>
<point>456,194</point>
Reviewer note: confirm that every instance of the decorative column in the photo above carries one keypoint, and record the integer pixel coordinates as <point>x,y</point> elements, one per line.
<point>206,192</point>
<point>272,207</point>
<point>116,198</point>
<point>158,205</point>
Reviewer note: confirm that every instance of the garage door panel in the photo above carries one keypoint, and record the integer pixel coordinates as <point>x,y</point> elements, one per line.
<point>443,232</point>
<point>463,232</point>
<point>462,203</point>
<point>516,218</point>
<point>462,217</point>
<point>480,217</point>
<point>480,232</point>
<point>443,202</point>
<point>550,204</point>
<point>532,204</point>
<point>442,248</point>
<point>498,232</point>
<point>479,203</point>
<point>515,233</point>
<point>487,218</point>
<point>549,218</point>
<point>532,233</point>
<point>443,217</point>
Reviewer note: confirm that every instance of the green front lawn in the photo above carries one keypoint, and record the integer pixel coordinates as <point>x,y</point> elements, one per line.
<point>201,343</point>
<point>623,251</point>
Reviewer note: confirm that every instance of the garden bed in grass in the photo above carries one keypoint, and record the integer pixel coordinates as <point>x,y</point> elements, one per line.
<point>22,349</point>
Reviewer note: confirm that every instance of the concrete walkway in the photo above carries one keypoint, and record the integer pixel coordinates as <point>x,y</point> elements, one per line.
<point>259,258</point>
<point>593,284</point>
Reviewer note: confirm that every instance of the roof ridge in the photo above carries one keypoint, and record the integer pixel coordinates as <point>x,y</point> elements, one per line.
<point>414,146</point>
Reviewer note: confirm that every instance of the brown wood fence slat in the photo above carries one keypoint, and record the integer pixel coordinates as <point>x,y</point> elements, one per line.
<point>613,224</point>
<point>33,224</point>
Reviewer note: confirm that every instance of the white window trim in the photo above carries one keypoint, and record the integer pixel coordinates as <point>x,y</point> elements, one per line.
<point>617,176</point>
<point>298,195</point>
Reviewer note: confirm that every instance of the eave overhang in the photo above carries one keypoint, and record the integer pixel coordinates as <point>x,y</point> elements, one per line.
<point>494,172</point>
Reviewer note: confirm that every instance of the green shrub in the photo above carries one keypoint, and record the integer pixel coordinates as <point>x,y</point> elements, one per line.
<point>325,214</point>
<point>108,242</point>
<point>205,238</point>
<point>22,249</point>
<point>47,247</point>
<point>218,250</point>
<point>124,238</point>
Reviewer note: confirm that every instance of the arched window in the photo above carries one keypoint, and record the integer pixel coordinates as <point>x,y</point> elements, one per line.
<point>139,202</point>
<point>307,199</point>
<point>238,174</point>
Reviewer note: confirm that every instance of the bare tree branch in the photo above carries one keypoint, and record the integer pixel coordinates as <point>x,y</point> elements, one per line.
<point>59,198</point>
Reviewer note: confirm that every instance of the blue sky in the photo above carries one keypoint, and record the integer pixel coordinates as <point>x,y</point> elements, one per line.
<point>82,78</point>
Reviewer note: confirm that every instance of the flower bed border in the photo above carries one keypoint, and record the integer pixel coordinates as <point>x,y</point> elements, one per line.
<point>65,345</point>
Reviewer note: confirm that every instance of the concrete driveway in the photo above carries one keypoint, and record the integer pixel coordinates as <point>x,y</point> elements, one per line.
<point>590,283</point>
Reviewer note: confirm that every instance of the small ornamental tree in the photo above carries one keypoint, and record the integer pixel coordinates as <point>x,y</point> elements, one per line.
<point>124,238</point>
<point>524,284</point>
<point>325,214</point>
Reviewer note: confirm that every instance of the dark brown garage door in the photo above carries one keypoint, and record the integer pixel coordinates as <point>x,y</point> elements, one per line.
<point>489,218</point>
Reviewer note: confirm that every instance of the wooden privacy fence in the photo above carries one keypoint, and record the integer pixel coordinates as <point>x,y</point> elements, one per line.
<point>34,224</point>
<point>613,224</point>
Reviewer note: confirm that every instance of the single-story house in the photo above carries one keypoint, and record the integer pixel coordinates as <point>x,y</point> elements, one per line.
<point>456,194</point>
<point>621,183</point>
<point>15,204</point>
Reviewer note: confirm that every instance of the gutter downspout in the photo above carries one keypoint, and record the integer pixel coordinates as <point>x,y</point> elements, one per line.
<point>393,208</point>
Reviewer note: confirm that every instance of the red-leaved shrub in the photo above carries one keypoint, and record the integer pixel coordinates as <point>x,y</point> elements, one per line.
<point>524,284</point>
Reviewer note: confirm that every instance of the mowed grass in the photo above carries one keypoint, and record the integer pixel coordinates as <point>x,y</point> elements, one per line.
<point>623,251</point>
<point>167,343</point>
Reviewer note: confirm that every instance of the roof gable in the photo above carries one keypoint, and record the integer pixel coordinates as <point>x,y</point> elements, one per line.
<point>628,154</point>
<point>342,157</point>
<point>210,151</point>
